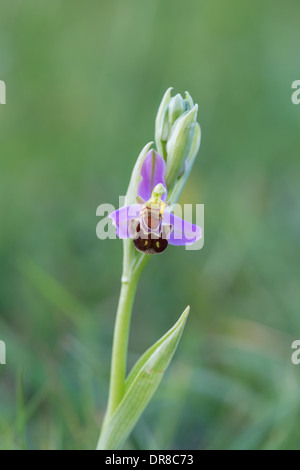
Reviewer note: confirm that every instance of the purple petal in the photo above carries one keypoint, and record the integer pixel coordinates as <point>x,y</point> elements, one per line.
<point>152,173</point>
<point>183,233</point>
<point>122,216</point>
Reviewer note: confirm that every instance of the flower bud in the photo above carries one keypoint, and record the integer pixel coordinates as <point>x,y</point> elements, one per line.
<point>180,183</point>
<point>177,107</point>
<point>170,109</point>
<point>179,144</point>
<point>162,127</point>
<point>174,133</point>
<point>189,100</point>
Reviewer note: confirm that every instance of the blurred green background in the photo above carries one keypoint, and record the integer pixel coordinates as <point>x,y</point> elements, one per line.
<point>84,80</point>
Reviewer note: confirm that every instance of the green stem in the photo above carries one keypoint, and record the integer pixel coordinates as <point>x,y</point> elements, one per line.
<point>120,344</point>
<point>131,274</point>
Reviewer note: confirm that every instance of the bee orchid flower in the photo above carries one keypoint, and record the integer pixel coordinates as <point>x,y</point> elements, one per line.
<point>150,223</point>
<point>147,225</point>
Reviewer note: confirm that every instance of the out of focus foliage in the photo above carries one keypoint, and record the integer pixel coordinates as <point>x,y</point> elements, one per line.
<point>84,80</point>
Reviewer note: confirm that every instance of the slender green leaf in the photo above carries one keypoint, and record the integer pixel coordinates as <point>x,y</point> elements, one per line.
<point>141,384</point>
<point>143,359</point>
